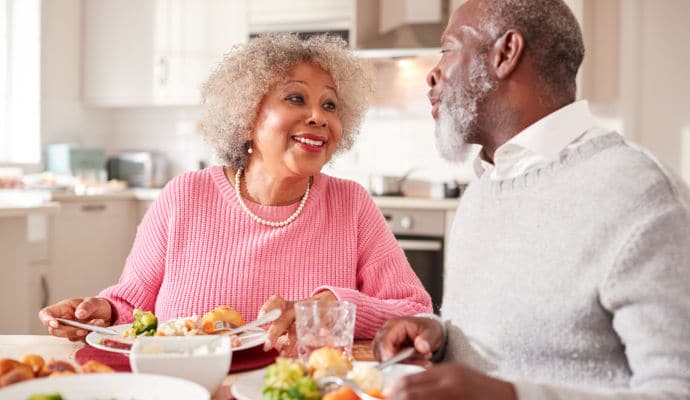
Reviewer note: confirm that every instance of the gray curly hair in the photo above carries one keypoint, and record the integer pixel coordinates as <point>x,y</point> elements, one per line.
<point>552,37</point>
<point>234,90</point>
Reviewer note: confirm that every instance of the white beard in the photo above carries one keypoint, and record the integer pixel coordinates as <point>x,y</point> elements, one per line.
<point>456,125</point>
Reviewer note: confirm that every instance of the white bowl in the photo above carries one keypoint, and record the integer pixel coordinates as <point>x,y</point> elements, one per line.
<point>201,359</point>
<point>108,386</point>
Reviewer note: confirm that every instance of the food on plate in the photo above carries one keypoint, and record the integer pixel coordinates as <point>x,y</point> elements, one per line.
<point>21,372</point>
<point>180,327</point>
<point>57,367</point>
<point>342,393</point>
<point>145,323</point>
<point>95,367</point>
<point>367,378</point>
<point>35,361</point>
<point>221,313</point>
<point>44,396</point>
<point>328,361</point>
<point>117,342</point>
<point>286,379</point>
<point>34,366</point>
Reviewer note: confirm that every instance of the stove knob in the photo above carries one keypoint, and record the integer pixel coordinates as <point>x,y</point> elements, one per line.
<point>406,222</point>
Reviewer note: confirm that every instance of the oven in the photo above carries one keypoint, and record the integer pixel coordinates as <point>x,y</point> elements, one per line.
<point>420,233</point>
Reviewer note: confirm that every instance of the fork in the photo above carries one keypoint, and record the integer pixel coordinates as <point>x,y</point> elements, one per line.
<point>329,382</point>
<point>95,328</point>
<point>221,326</point>
<point>403,354</point>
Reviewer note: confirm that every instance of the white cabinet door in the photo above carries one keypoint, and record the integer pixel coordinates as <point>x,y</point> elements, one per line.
<point>91,241</point>
<point>300,15</point>
<point>14,260</point>
<point>24,261</point>
<point>155,52</point>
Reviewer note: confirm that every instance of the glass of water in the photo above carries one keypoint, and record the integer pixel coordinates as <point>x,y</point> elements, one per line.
<point>324,323</point>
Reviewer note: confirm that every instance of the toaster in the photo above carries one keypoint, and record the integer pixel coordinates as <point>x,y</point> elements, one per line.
<point>139,169</point>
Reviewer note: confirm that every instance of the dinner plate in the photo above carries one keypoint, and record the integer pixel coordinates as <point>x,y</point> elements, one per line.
<point>250,338</point>
<point>248,387</point>
<point>109,386</point>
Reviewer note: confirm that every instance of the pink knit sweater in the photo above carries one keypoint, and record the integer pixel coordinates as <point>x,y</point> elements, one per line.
<point>197,249</point>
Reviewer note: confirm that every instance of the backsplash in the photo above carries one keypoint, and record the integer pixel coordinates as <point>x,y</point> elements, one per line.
<point>396,136</point>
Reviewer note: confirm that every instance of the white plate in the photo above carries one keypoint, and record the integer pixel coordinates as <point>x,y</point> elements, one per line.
<point>249,386</point>
<point>109,386</point>
<point>251,338</point>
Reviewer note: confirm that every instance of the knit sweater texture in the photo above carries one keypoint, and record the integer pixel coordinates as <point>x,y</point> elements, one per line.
<point>197,249</point>
<point>573,280</point>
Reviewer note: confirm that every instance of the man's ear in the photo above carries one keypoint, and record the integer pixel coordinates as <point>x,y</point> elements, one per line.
<point>507,53</point>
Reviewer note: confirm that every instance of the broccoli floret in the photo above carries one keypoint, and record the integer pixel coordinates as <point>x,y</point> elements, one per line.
<point>304,389</point>
<point>43,396</point>
<point>282,374</point>
<point>285,380</point>
<point>145,323</point>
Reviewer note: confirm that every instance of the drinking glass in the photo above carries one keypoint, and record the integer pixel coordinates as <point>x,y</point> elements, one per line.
<point>323,323</point>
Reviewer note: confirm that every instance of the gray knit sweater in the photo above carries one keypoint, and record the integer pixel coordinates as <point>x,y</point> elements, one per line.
<point>573,280</point>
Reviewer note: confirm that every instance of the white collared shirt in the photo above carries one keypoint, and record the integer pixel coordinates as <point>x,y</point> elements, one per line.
<point>541,142</point>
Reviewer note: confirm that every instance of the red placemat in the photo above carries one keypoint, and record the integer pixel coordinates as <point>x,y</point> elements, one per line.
<point>242,360</point>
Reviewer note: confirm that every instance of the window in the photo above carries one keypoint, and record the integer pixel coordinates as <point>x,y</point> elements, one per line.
<point>20,81</point>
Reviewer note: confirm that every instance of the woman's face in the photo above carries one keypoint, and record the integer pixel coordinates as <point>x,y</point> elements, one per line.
<point>297,127</point>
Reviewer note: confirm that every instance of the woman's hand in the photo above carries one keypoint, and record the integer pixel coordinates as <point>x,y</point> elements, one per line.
<point>90,310</point>
<point>282,334</point>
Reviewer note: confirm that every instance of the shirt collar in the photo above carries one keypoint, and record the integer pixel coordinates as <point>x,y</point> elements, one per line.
<point>548,136</point>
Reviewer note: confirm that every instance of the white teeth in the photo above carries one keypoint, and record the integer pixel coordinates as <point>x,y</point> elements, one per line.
<point>308,141</point>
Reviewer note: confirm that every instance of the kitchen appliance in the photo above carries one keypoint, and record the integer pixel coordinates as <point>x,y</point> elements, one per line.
<point>73,159</point>
<point>420,233</point>
<point>139,168</point>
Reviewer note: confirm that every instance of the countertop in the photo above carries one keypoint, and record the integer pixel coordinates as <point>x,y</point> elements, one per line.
<point>22,211</point>
<point>151,194</point>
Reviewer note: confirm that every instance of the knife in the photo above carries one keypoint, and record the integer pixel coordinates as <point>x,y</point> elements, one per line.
<point>88,327</point>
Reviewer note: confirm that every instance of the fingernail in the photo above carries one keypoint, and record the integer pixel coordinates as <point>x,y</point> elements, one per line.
<point>53,324</point>
<point>80,314</point>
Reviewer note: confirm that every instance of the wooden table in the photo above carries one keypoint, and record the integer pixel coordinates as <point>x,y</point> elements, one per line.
<point>17,346</point>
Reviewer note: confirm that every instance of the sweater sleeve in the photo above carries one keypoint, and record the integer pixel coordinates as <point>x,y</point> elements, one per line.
<point>386,284</point>
<point>647,293</point>
<point>141,278</point>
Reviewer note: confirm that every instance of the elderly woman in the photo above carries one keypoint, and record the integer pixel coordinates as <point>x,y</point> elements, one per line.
<point>267,228</point>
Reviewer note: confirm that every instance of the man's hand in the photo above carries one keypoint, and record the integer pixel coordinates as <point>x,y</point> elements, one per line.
<point>451,381</point>
<point>425,334</point>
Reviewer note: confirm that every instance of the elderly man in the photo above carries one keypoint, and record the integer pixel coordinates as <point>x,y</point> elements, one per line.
<point>568,273</point>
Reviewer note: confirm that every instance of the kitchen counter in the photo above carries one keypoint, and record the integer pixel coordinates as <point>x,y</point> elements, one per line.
<point>146,194</point>
<point>416,203</point>
<point>13,210</point>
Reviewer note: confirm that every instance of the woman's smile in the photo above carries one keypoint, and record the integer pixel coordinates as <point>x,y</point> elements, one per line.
<point>310,142</point>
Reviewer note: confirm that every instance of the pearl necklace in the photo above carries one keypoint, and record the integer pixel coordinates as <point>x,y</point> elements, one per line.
<point>261,220</point>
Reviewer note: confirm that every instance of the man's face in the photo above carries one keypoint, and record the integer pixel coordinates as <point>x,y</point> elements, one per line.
<point>460,83</point>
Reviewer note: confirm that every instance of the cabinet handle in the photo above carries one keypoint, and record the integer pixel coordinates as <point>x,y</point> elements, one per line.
<point>45,291</point>
<point>163,71</point>
<point>93,207</point>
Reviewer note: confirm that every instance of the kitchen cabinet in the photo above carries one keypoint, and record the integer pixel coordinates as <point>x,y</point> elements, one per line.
<point>155,52</point>
<point>24,255</point>
<point>299,15</point>
<point>90,243</point>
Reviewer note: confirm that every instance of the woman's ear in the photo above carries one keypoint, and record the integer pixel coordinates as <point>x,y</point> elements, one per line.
<point>508,50</point>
